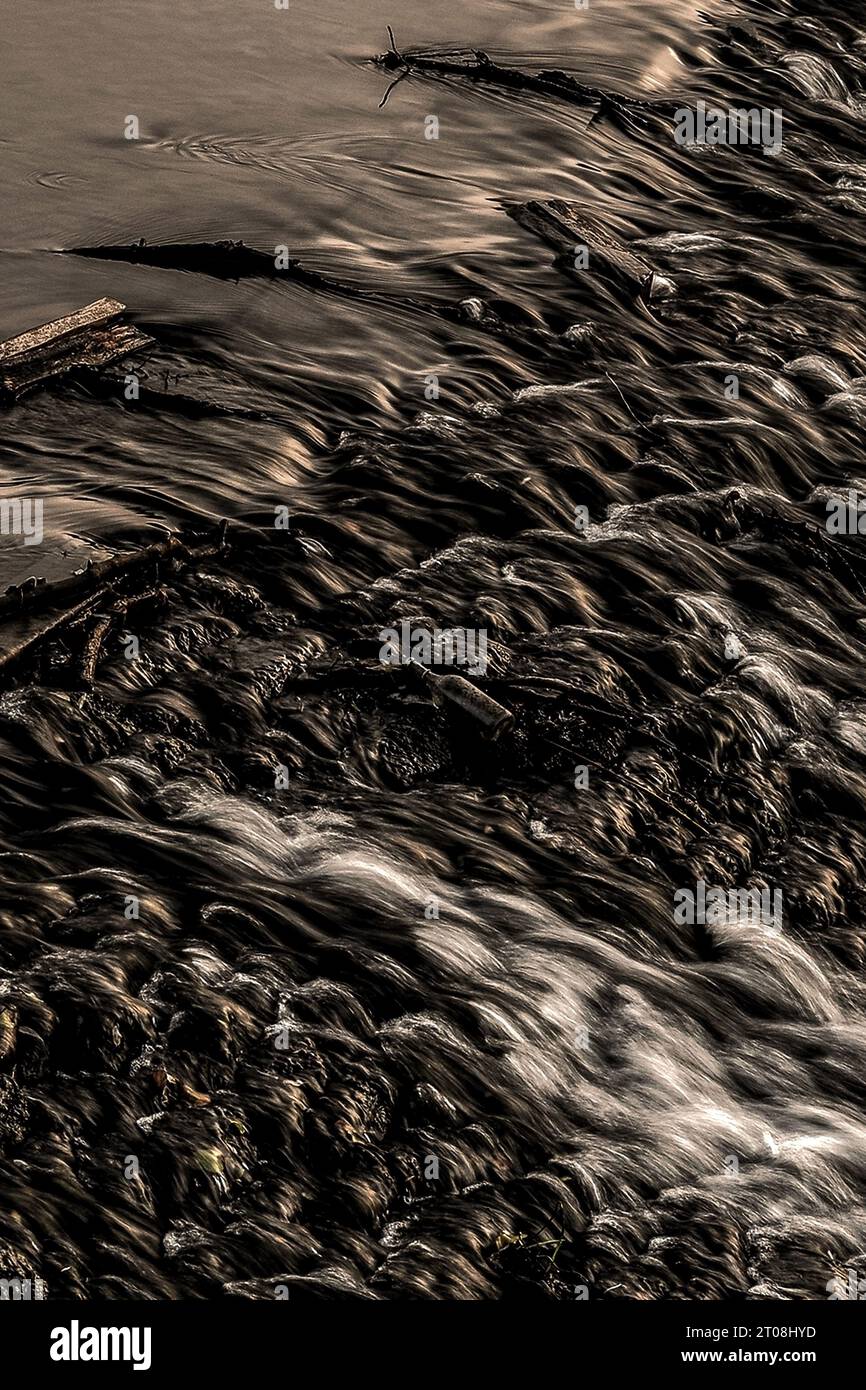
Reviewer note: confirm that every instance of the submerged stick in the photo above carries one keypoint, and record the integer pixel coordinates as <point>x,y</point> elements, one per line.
<point>102,626</point>
<point>117,585</point>
<point>476,65</point>
<point>33,596</point>
<point>234,260</point>
<point>227,260</point>
<point>93,647</point>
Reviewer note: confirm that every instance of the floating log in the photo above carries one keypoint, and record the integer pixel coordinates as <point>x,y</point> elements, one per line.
<point>100,314</point>
<point>87,342</point>
<point>565,227</point>
<point>89,338</point>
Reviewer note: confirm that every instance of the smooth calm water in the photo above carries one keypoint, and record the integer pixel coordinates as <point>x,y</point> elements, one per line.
<point>465,954</point>
<point>264,124</point>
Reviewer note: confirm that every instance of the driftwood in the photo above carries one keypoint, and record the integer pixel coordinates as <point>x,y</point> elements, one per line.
<point>90,338</point>
<point>101,624</point>
<point>92,651</point>
<point>19,647</point>
<point>77,605</point>
<point>86,343</point>
<point>51,336</point>
<point>234,260</point>
<point>129,567</point>
<point>565,227</point>
<point>227,260</point>
<point>475,65</point>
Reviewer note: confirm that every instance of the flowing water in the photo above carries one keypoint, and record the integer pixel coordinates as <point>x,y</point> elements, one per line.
<point>303,984</point>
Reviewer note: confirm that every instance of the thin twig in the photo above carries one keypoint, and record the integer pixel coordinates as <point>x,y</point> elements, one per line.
<point>392,86</point>
<point>621,396</point>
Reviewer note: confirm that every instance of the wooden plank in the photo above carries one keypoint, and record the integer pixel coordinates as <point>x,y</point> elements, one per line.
<point>50,336</point>
<point>90,338</point>
<point>94,351</point>
<point>565,227</point>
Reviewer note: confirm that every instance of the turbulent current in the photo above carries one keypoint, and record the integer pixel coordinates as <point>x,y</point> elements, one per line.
<point>306,984</point>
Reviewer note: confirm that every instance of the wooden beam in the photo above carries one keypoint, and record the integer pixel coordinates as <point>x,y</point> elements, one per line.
<point>52,336</point>
<point>91,338</point>
<point>566,227</point>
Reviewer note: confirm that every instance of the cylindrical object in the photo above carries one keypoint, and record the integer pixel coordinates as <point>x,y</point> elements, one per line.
<point>492,718</point>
